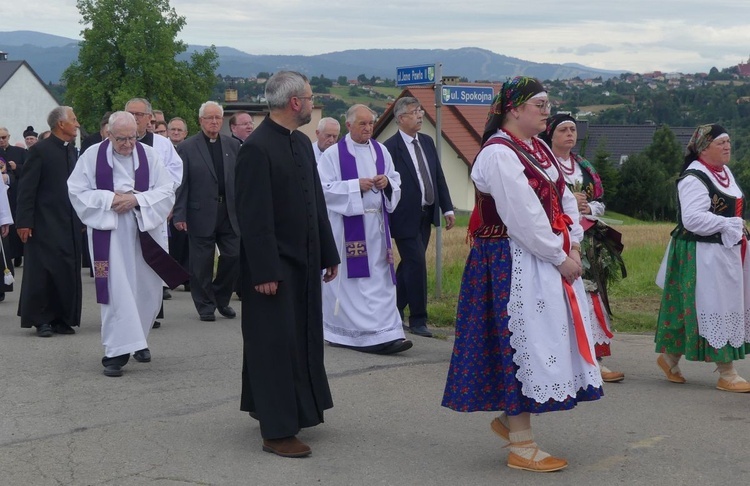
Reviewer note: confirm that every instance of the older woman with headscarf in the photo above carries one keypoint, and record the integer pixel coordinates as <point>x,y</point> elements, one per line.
<point>705,307</point>
<point>523,339</point>
<point>601,246</point>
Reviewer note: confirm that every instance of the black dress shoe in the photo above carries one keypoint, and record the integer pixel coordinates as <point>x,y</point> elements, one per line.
<point>395,347</point>
<point>142,356</point>
<point>186,287</point>
<point>18,261</point>
<point>156,325</point>
<point>44,330</point>
<point>208,317</point>
<point>62,328</point>
<point>227,312</point>
<point>420,330</point>
<point>112,370</point>
<point>2,296</point>
<point>165,294</point>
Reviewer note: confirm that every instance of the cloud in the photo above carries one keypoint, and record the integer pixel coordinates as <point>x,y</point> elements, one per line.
<point>592,49</point>
<point>638,35</point>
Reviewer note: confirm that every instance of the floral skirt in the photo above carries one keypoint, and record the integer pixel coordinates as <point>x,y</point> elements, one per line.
<point>677,327</point>
<point>482,374</point>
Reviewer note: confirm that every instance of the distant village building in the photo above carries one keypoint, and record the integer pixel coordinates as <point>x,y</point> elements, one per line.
<point>24,99</point>
<point>743,69</point>
<point>621,141</point>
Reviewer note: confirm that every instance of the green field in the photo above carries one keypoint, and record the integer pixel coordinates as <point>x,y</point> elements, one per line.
<point>342,92</point>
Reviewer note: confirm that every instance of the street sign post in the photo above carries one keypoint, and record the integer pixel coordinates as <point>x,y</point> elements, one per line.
<point>467,95</point>
<point>415,75</point>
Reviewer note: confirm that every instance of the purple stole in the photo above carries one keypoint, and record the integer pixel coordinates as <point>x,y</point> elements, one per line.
<point>165,266</point>
<point>355,241</point>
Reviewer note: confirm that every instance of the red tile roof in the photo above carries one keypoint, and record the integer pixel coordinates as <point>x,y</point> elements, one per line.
<point>462,126</point>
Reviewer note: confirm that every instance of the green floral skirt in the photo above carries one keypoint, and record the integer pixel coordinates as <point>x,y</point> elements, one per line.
<point>677,327</point>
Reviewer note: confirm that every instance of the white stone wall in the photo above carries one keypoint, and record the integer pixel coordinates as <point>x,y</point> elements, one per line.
<point>24,101</point>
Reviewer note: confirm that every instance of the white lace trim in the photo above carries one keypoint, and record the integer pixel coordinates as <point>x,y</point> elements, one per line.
<point>550,366</point>
<point>721,329</point>
<point>597,333</point>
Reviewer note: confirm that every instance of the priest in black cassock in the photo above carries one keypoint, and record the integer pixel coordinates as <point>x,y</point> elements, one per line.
<point>286,243</point>
<point>46,222</point>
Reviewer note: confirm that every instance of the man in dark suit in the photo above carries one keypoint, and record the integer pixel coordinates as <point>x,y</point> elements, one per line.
<point>424,196</point>
<point>205,209</point>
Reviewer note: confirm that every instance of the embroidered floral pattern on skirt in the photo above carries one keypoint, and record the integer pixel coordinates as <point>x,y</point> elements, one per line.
<point>482,374</point>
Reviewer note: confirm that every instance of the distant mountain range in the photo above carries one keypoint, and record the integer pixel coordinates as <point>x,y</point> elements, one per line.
<point>49,55</point>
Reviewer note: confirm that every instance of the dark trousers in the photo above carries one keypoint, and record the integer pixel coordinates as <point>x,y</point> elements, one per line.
<point>179,246</point>
<point>411,273</point>
<point>208,292</point>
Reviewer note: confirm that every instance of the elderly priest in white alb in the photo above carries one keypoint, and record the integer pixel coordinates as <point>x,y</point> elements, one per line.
<point>123,194</point>
<point>361,188</point>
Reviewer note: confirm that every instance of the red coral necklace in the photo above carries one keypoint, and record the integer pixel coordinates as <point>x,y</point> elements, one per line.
<point>536,150</point>
<point>721,175</point>
<point>567,170</point>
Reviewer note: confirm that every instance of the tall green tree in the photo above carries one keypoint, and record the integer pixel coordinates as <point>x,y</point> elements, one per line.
<point>641,190</point>
<point>130,49</point>
<point>607,173</point>
<point>665,151</point>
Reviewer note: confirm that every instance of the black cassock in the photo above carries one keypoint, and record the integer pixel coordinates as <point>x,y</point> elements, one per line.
<point>14,247</point>
<point>51,285</point>
<point>286,237</point>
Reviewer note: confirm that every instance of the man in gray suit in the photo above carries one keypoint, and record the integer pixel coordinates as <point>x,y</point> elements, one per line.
<point>205,209</point>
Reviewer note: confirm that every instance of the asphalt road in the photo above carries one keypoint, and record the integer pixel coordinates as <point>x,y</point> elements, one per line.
<point>176,420</point>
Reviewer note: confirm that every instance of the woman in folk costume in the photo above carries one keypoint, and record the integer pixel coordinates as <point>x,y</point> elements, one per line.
<point>601,247</point>
<point>523,340</point>
<point>705,307</point>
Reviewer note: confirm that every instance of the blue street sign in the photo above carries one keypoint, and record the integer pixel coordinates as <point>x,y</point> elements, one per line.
<point>413,75</point>
<point>467,95</point>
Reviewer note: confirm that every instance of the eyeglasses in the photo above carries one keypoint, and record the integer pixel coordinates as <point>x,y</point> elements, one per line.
<point>542,105</point>
<point>3,137</point>
<point>139,114</point>
<point>417,112</point>
<point>311,98</point>
<point>212,118</point>
<point>125,139</point>
<point>176,130</point>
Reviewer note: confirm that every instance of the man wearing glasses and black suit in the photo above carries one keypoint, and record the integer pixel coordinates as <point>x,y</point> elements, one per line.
<point>424,197</point>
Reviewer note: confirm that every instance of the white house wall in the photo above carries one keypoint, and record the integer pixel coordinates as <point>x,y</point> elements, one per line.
<point>455,170</point>
<point>24,101</point>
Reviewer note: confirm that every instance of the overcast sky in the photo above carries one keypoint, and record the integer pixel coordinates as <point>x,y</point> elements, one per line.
<point>635,35</point>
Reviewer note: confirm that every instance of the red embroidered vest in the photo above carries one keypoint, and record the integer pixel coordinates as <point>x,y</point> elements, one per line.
<point>486,223</point>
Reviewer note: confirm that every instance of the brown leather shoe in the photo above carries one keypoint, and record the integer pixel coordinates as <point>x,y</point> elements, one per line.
<point>548,464</point>
<point>500,429</point>
<point>287,447</point>
<point>734,387</point>
<point>612,376</point>
<point>673,377</point>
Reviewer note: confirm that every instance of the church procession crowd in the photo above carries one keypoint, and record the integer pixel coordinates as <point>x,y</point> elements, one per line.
<point>305,233</point>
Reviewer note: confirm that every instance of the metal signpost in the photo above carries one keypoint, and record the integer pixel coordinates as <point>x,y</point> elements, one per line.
<point>432,74</point>
<point>419,75</point>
